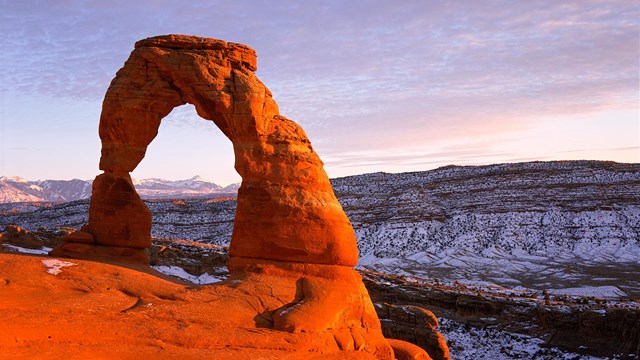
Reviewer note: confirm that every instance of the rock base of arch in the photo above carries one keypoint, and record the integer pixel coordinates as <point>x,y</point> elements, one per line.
<point>110,254</point>
<point>329,301</point>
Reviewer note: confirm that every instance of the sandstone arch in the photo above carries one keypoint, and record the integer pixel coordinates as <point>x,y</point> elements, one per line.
<point>286,207</point>
<point>292,249</point>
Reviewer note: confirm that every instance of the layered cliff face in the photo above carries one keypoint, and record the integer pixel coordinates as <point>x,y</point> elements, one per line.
<point>525,206</point>
<point>509,323</point>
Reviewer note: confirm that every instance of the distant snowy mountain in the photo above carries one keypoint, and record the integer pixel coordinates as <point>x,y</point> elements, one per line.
<point>194,187</point>
<point>16,189</point>
<point>231,188</point>
<point>68,190</point>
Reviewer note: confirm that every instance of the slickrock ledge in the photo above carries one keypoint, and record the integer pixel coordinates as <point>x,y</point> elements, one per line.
<point>108,311</point>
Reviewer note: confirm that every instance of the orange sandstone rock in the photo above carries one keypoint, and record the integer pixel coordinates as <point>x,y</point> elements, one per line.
<point>407,351</point>
<point>415,324</point>
<point>79,237</point>
<point>18,236</point>
<point>286,207</point>
<point>117,215</point>
<point>327,301</point>
<point>92,310</point>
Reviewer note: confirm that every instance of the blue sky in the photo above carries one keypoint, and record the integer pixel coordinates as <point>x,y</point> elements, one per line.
<point>377,85</point>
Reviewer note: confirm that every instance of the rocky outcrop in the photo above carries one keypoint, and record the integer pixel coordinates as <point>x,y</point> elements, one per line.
<point>18,236</point>
<point>314,299</point>
<point>414,325</point>
<point>292,248</point>
<point>286,207</point>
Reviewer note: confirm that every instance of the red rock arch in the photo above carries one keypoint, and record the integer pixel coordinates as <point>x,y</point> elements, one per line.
<point>287,210</point>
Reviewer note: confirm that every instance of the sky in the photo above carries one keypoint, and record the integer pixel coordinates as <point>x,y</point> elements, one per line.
<point>388,86</point>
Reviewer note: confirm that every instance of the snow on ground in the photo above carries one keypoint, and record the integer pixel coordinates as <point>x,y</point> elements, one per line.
<point>54,266</point>
<point>180,273</point>
<point>486,343</point>
<point>612,292</point>
<point>567,275</point>
<point>42,251</point>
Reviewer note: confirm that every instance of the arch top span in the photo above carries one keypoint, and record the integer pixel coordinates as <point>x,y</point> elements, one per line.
<point>167,71</point>
<point>238,54</point>
<point>286,210</point>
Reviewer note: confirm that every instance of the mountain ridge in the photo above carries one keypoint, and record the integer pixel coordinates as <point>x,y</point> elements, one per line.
<point>15,189</point>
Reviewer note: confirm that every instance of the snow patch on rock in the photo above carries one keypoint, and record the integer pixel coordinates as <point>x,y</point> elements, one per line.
<point>54,266</point>
<point>180,273</point>
<point>42,251</point>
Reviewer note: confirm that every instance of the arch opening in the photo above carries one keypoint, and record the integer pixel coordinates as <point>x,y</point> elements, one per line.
<point>186,146</point>
<point>191,156</point>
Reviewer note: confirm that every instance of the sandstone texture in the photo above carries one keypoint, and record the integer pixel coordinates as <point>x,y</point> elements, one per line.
<point>407,350</point>
<point>93,310</point>
<point>415,325</point>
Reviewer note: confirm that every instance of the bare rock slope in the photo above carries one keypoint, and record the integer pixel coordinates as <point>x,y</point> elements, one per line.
<point>59,307</point>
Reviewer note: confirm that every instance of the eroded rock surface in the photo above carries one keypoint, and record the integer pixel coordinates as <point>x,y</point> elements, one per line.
<point>415,325</point>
